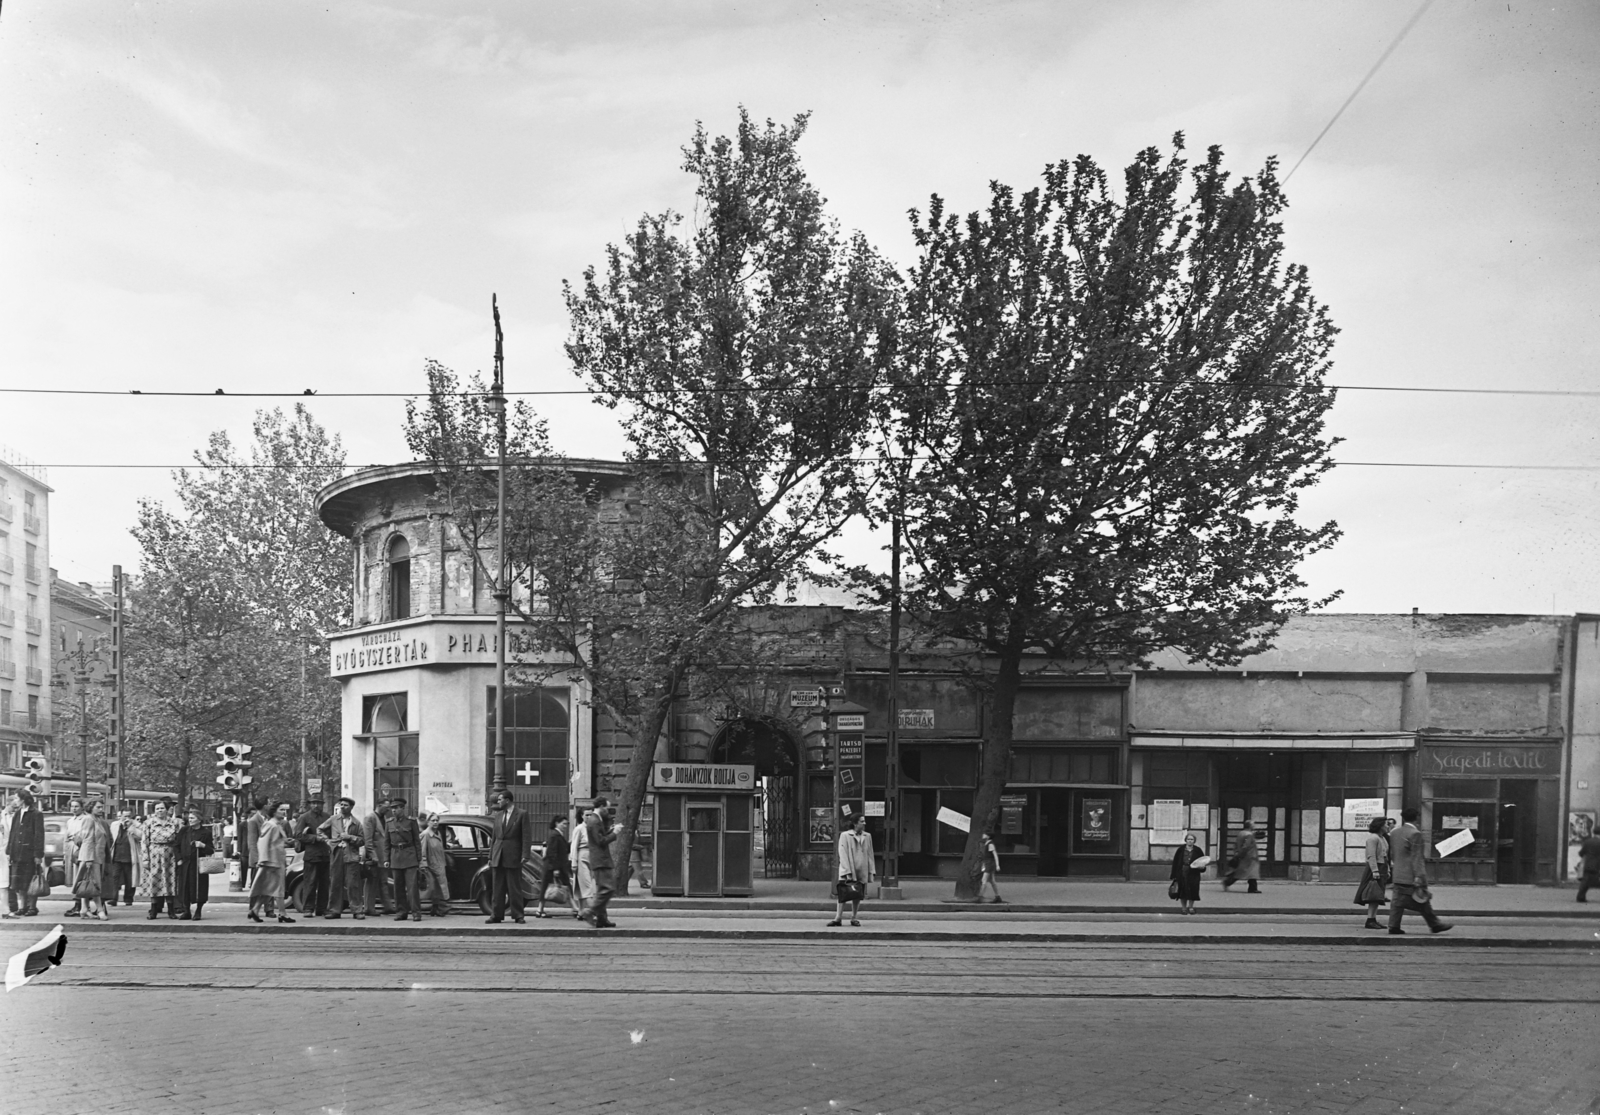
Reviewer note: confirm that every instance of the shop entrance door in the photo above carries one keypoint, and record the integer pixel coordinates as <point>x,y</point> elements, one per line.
<point>1514,846</point>
<point>703,851</point>
<point>1255,787</point>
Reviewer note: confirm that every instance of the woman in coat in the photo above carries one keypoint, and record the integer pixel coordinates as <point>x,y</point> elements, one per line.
<point>272,859</point>
<point>856,870</point>
<point>1186,874</point>
<point>434,863</point>
<point>92,855</point>
<point>194,886</point>
<point>159,879</point>
<point>1370,892</point>
<point>1246,861</point>
<point>6,816</point>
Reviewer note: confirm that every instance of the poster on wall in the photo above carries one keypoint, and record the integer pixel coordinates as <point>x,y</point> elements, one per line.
<point>1358,812</point>
<point>1011,807</point>
<point>1200,816</point>
<point>1167,813</point>
<point>1096,821</point>
<point>820,830</point>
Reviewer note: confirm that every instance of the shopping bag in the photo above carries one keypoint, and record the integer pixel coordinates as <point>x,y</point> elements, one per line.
<point>214,864</point>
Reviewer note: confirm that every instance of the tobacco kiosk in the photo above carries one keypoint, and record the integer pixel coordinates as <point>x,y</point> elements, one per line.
<point>704,829</point>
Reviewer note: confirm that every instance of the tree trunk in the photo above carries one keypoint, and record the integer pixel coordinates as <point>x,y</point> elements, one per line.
<point>994,769</point>
<point>640,764</point>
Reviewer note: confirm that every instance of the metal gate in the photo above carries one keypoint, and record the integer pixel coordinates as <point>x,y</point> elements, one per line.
<point>779,831</point>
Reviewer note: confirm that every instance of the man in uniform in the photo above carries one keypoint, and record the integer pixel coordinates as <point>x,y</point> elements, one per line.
<point>315,857</point>
<point>345,833</point>
<point>505,859</point>
<point>403,854</point>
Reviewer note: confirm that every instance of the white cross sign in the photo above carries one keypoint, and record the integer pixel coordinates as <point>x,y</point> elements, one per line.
<point>527,774</point>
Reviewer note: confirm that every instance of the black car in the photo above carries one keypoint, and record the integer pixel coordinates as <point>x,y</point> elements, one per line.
<point>466,846</point>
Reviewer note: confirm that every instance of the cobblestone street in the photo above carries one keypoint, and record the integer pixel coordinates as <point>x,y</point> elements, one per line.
<point>183,1022</point>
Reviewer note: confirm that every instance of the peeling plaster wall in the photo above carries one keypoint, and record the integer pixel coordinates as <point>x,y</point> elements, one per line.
<point>1218,703</point>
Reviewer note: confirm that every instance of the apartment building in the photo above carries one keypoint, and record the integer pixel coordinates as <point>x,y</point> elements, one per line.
<point>24,610</point>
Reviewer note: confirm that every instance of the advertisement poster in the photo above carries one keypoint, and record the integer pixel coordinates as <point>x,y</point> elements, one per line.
<point>1358,812</point>
<point>820,830</point>
<point>1167,813</point>
<point>1011,806</point>
<point>1096,826</point>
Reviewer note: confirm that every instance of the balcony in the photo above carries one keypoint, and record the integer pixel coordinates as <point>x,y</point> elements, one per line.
<point>35,625</point>
<point>6,511</point>
<point>35,676</point>
<point>16,718</point>
<point>8,617</point>
<point>8,564</point>
<point>33,574</point>
<point>8,668</point>
<point>30,523</point>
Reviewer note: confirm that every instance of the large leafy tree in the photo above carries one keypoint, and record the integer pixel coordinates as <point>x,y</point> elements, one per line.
<point>740,353</point>
<point>237,590</point>
<point>1110,404</point>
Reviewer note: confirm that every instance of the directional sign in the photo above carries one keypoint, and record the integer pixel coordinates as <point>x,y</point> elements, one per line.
<point>805,697</point>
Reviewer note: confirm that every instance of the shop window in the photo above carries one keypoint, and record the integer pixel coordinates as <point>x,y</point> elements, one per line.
<point>1184,775</point>
<point>1062,765</point>
<point>399,578</point>
<point>394,749</point>
<point>538,728</point>
<point>952,841</point>
<point>943,765</point>
<point>820,827</point>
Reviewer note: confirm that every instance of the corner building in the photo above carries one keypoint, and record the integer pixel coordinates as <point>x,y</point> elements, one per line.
<point>1487,722</point>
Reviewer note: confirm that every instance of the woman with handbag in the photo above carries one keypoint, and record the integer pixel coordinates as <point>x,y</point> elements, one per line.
<point>272,858</point>
<point>1189,865</point>
<point>855,870</point>
<point>1371,891</point>
<point>196,853</point>
<point>160,876</point>
<point>92,844</point>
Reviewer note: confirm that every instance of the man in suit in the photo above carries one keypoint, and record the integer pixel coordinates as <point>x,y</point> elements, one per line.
<point>316,856</point>
<point>1588,865</point>
<point>1407,849</point>
<point>25,849</point>
<point>120,875</point>
<point>598,841</point>
<point>402,857</point>
<point>345,833</point>
<point>505,859</point>
<point>375,852</point>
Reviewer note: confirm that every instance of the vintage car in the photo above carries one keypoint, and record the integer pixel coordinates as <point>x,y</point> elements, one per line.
<point>466,843</point>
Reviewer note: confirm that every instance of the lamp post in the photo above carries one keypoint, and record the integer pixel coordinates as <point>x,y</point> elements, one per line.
<point>81,659</point>
<point>502,591</point>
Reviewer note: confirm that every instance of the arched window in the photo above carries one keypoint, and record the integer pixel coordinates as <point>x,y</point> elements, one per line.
<point>399,578</point>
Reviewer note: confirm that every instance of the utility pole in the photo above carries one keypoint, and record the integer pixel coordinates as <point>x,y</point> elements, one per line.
<point>114,745</point>
<point>891,821</point>
<point>502,591</point>
<point>80,658</point>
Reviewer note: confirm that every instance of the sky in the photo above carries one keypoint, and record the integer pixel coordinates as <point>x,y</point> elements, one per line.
<point>275,197</point>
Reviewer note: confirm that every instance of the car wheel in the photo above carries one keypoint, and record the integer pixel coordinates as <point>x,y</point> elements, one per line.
<point>480,895</point>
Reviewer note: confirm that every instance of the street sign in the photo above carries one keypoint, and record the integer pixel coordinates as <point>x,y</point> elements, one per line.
<point>805,697</point>
<point>314,786</point>
<point>854,722</point>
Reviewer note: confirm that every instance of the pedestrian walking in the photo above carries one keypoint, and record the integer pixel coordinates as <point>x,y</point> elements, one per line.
<point>374,853</point>
<point>346,836</point>
<point>91,857</point>
<point>597,850</point>
<point>988,868</point>
<point>1372,891</point>
<point>120,871</point>
<point>316,856</point>
<point>435,866</point>
<point>1407,849</point>
<point>506,849</point>
<point>578,857</point>
<point>25,849</point>
<point>557,872</point>
<point>403,852</point>
<point>160,868</point>
<point>194,843</point>
<point>1245,863</point>
<point>249,862</point>
<point>1189,865</point>
<point>1589,865</point>
<point>76,819</point>
<point>272,863</point>
<point>856,870</point>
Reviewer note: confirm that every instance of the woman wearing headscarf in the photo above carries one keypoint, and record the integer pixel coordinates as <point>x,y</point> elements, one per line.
<point>434,863</point>
<point>272,856</point>
<point>1188,868</point>
<point>159,878</point>
<point>194,886</point>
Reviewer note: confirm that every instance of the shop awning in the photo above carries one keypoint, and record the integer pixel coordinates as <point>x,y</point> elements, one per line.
<point>1404,742</point>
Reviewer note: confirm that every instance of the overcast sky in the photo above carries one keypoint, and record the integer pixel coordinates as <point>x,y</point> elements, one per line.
<point>282,196</point>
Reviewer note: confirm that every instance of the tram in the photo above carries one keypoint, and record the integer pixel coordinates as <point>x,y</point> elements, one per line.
<point>63,791</point>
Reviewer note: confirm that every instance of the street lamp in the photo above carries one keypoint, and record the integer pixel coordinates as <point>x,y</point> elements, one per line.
<point>502,591</point>
<point>81,659</point>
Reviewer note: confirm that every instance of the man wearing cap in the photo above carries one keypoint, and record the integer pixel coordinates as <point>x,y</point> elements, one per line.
<point>316,856</point>
<point>403,841</point>
<point>345,834</point>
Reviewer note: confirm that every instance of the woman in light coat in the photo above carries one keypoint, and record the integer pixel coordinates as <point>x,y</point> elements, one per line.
<point>856,870</point>
<point>272,859</point>
<point>6,816</point>
<point>159,880</point>
<point>435,861</point>
<point>1370,892</point>
<point>92,847</point>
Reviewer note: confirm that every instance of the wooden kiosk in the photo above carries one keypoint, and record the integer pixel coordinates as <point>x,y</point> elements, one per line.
<point>705,819</point>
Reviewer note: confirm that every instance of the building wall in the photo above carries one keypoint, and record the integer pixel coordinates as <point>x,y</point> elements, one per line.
<point>25,573</point>
<point>1582,783</point>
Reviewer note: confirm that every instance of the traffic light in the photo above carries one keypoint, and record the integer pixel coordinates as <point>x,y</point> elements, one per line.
<point>36,770</point>
<point>233,762</point>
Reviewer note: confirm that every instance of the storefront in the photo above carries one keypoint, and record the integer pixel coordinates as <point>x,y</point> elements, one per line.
<point>1507,795</point>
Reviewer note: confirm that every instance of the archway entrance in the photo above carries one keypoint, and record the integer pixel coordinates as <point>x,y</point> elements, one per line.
<point>771,750</point>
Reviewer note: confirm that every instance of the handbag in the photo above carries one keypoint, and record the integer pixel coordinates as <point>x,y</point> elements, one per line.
<point>87,884</point>
<point>213,864</point>
<point>39,886</point>
<point>1172,889</point>
<point>849,890</point>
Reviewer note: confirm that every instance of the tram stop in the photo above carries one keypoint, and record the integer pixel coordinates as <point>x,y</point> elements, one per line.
<point>704,829</point>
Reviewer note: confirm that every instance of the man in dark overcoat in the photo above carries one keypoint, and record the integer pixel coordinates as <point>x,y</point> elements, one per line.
<point>505,859</point>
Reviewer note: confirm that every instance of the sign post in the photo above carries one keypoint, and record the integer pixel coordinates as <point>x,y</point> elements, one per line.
<point>847,739</point>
